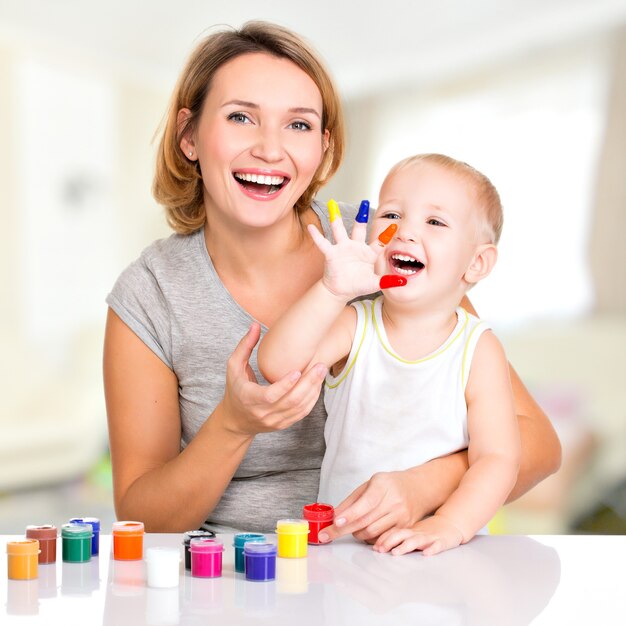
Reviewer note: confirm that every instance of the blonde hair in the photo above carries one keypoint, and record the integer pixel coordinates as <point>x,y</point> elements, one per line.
<point>178,184</point>
<point>486,195</point>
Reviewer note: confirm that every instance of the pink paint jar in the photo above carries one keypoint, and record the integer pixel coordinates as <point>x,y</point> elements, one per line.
<point>319,516</point>
<point>206,557</point>
<point>47,537</point>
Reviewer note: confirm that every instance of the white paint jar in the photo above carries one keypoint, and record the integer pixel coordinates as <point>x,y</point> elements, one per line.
<point>163,567</point>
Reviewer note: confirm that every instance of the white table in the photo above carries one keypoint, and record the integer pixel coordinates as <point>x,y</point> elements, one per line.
<point>499,580</point>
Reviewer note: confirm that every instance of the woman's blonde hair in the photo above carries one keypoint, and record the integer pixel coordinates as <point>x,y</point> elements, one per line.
<point>178,182</point>
<point>487,196</point>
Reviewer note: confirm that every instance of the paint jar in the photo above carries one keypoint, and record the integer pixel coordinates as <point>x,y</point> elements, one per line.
<point>128,541</point>
<point>163,565</point>
<point>76,542</point>
<point>94,522</point>
<point>239,541</point>
<point>292,537</point>
<point>260,560</point>
<point>206,557</point>
<point>22,559</point>
<point>319,516</point>
<point>47,537</point>
<point>194,534</point>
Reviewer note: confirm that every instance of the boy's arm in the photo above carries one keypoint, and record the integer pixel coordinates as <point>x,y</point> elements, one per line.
<point>318,328</point>
<point>494,448</point>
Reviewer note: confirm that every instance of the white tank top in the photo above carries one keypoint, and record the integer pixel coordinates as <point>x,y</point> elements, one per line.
<point>386,413</point>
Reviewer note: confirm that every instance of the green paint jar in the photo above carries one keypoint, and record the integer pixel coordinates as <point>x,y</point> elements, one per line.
<point>76,541</point>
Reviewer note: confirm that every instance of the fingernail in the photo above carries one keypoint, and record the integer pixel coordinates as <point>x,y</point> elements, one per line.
<point>323,537</point>
<point>364,212</point>
<point>333,210</point>
<point>295,376</point>
<point>391,280</point>
<point>340,521</point>
<point>387,235</point>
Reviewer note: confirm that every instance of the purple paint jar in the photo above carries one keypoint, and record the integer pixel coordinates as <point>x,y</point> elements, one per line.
<point>260,561</point>
<point>206,557</point>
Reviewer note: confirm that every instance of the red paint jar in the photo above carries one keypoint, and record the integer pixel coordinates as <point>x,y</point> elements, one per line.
<point>319,516</point>
<point>47,537</point>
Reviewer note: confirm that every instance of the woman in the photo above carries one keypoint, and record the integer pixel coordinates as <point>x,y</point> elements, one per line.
<point>254,130</point>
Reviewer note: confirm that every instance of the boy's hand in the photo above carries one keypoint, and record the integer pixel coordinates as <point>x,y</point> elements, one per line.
<point>349,270</point>
<point>432,535</point>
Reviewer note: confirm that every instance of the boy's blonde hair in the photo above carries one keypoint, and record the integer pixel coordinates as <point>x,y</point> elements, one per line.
<point>487,197</point>
<point>178,184</point>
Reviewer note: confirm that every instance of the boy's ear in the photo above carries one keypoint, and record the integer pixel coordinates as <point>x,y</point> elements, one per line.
<point>484,259</point>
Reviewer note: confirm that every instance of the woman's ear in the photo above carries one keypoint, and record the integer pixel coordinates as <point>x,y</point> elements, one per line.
<point>326,140</point>
<point>484,259</point>
<point>186,143</point>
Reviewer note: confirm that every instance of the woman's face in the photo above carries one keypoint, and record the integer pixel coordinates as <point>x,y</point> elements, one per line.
<point>259,140</point>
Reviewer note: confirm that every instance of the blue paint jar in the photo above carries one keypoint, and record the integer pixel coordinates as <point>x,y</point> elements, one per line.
<point>94,522</point>
<point>194,534</point>
<point>260,561</point>
<point>240,540</point>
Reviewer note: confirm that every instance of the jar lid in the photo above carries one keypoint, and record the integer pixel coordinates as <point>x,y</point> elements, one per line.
<point>292,526</point>
<point>194,534</point>
<point>94,522</point>
<point>205,545</point>
<point>128,528</point>
<point>24,546</point>
<point>76,531</point>
<point>318,512</point>
<point>243,538</point>
<point>254,548</point>
<point>161,554</point>
<point>45,531</point>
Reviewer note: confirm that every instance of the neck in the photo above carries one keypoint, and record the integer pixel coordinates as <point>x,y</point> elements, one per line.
<point>250,252</point>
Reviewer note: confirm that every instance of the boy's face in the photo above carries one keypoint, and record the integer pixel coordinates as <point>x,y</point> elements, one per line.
<point>437,236</point>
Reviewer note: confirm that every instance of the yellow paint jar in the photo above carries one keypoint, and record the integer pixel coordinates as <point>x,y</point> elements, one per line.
<point>293,537</point>
<point>22,559</point>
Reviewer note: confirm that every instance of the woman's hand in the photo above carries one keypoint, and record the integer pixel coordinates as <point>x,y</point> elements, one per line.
<point>250,408</point>
<point>396,499</point>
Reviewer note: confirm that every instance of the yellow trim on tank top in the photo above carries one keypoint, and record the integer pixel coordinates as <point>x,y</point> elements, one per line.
<point>426,358</point>
<point>356,354</point>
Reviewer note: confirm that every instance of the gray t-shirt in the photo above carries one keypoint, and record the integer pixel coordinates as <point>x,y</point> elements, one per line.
<point>174,301</point>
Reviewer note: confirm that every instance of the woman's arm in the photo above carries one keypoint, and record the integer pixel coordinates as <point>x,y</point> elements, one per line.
<point>153,480</point>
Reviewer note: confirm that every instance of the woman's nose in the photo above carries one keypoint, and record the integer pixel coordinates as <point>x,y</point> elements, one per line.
<point>268,145</point>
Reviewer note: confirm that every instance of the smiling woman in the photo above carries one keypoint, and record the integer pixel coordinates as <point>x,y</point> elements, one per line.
<point>197,437</point>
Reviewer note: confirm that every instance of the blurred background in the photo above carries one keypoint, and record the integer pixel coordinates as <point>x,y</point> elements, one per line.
<point>531,92</point>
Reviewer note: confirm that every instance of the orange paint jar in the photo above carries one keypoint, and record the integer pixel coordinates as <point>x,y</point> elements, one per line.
<point>128,541</point>
<point>22,559</point>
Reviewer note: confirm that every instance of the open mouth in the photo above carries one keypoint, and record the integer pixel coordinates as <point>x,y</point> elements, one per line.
<point>405,264</point>
<point>259,183</point>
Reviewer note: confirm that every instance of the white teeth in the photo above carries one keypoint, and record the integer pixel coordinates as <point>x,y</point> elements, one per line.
<point>260,179</point>
<point>406,272</point>
<point>403,257</point>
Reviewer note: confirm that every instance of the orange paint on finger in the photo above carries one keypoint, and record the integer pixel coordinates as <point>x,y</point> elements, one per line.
<point>387,235</point>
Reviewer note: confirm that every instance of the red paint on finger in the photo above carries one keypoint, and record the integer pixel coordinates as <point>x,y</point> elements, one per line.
<point>391,280</point>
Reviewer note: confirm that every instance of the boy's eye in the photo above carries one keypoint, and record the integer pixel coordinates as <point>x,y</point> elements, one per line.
<point>240,118</point>
<point>435,222</point>
<point>300,125</point>
<point>390,215</point>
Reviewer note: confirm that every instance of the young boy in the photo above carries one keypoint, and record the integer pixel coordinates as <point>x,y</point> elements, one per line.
<point>412,375</point>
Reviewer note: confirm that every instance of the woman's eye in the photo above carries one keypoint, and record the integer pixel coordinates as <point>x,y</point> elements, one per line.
<point>300,125</point>
<point>240,118</point>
